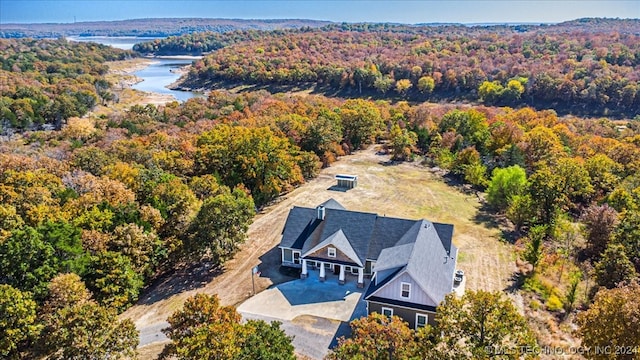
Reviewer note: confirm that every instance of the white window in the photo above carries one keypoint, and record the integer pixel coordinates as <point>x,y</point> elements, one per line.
<point>405,290</point>
<point>296,257</point>
<point>354,270</point>
<point>331,252</point>
<point>388,312</point>
<point>421,320</point>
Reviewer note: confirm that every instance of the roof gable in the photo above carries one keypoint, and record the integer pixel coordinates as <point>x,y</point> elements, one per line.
<point>332,204</point>
<point>424,257</point>
<point>393,257</point>
<point>403,276</point>
<point>431,265</point>
<point>356,227</point>
<point>340,242</point>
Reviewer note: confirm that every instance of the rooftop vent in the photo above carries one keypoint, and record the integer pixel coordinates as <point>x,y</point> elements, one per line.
<point>320,212</point>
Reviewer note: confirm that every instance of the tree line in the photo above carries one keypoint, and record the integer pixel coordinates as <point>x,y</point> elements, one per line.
<point>584,71</point>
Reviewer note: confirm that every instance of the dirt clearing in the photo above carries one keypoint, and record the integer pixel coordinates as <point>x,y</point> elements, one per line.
<point>405,190</point>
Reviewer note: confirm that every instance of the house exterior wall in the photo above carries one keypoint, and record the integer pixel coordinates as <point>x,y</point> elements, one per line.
<point>392,290</point>
<point>408,315</point>
<point>324,254</point>
<point>291,252</point>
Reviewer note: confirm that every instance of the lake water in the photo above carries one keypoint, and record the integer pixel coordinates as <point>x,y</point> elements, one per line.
<point>156,76</point>
<point>120,42</point>
<point>160,74</point>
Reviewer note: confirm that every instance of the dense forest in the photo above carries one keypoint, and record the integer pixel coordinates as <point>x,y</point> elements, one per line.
<point>198,43</point>
<point>120,200</point>
<point>588,70</point>
<point>149,27</point>
<point>49,81</point>
<point>96,211</point>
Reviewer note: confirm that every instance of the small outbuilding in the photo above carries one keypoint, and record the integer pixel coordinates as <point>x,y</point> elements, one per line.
<point>347,181</point>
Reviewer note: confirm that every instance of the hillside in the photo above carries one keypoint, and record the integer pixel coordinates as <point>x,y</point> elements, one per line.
<point>576,68</point>
<point>149,27</point>
<point>45,82</point>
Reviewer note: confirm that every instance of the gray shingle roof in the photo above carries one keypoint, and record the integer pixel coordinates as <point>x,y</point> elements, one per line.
<point>356,226</point>
<point>424,249</point>
<point>339,240</point>
<point>386,234</point>
<point>430,264</point>
<point>394,257</point>
<point>300,224</point>
<point>332,204</point>
<point>424,256</point>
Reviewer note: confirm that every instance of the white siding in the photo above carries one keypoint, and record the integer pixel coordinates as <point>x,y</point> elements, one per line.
<point>392,291</point>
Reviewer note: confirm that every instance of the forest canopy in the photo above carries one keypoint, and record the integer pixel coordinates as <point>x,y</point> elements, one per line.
<point>578,68</point>
<point>49,81</point>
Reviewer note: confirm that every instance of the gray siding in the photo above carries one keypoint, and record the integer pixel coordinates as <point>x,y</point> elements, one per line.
<point>408,315</point>
<point>392,290</point>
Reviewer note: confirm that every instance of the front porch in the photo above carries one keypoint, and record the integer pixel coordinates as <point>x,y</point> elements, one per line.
<point>326,268</point>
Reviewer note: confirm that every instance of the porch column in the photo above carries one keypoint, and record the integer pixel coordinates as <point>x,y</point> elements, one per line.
<point>303,274</point>
<point>341,278</point>
<point>360,278</point>
<point>322,271</point>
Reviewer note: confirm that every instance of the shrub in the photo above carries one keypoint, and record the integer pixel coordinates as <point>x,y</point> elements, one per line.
<point>554,303</point>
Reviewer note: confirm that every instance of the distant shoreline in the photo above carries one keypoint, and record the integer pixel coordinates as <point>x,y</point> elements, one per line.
<point>173,57</point>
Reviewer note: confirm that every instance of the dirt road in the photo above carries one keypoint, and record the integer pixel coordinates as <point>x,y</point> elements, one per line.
<point>400,190</point>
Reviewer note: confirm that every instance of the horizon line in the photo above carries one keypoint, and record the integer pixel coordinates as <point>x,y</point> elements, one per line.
<point>327,21</point>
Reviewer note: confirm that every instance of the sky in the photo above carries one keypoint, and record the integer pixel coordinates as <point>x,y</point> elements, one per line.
<point>400,11</point>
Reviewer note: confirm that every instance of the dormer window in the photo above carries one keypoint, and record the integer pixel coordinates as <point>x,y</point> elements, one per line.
<point>405,290</point>
<point>331,252</point>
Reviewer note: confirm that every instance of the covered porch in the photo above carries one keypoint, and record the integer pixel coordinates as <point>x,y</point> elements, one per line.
<point>326,268</point>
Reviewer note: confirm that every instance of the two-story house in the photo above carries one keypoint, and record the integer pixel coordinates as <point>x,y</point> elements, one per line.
<point>411,263</point>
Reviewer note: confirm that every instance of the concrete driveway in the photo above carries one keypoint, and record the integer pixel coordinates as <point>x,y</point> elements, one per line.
<point>315,313</point>
<point>308,296</point>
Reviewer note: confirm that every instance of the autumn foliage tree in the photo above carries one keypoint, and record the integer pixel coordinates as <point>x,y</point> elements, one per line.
<point>403,142</point>
<point>612,320</point>
<point>204,329</point>
<point>255,157</point>
<point>376,337</point>
<point>599,223</point>
<point>221,224</point>
<point>614,267</point>
<point>75,326</point>
<point>481,322</point>
<point>18,321</point>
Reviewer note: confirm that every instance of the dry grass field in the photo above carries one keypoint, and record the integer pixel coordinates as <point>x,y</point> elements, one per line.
<point>406,190</point>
